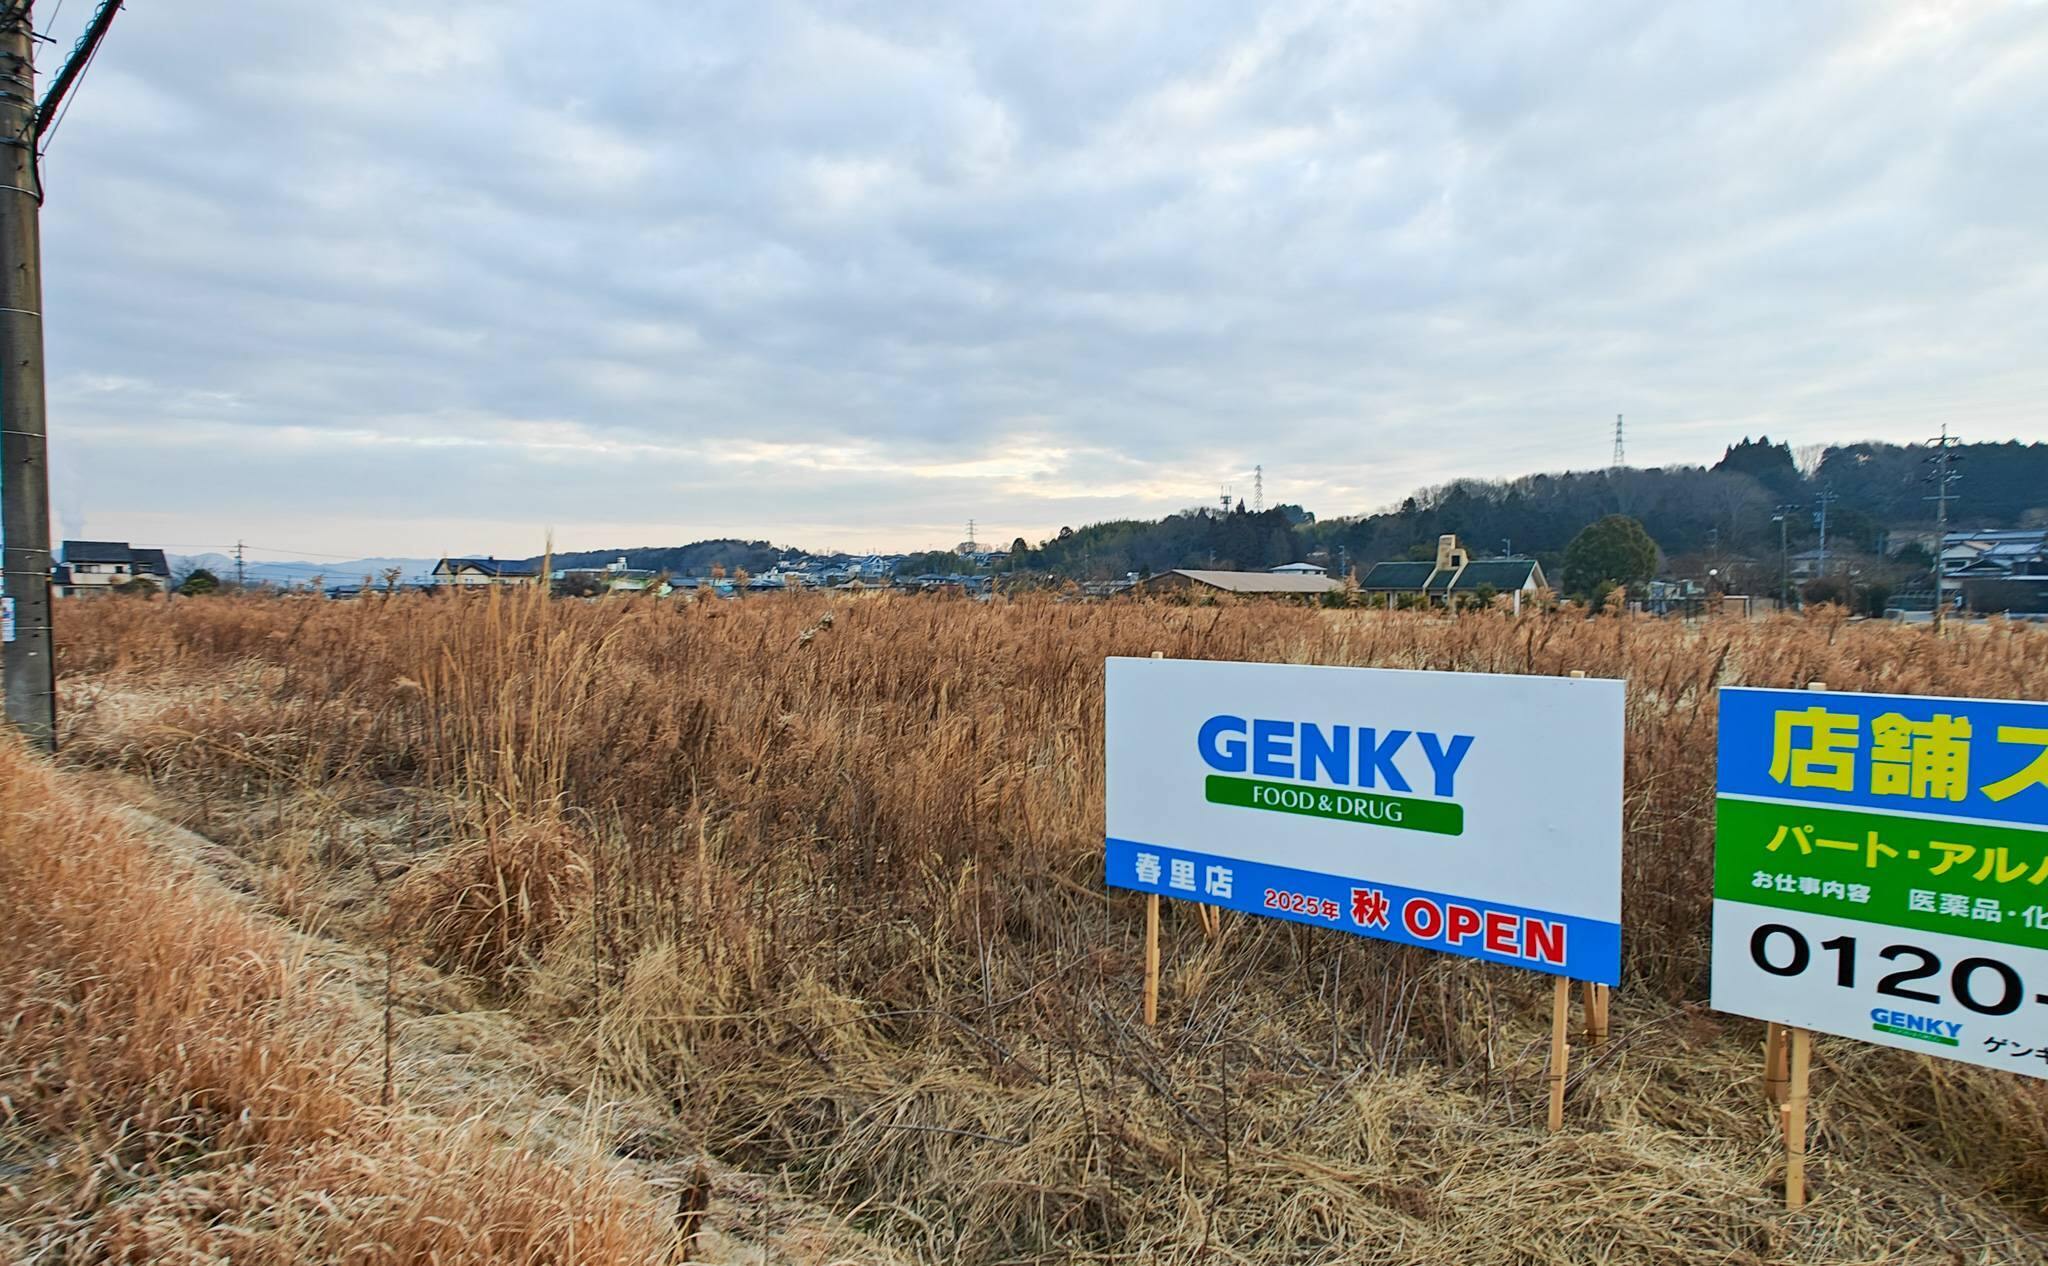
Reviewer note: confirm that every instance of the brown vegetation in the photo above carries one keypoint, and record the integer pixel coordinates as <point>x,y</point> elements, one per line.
<point>825,880</point>
<point>175,1087</point>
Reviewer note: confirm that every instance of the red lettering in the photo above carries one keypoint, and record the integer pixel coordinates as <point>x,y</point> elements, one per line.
<point>1543,942</point>
<point>1500,933</point>
<point>1464,922</point>
<point>1422,919</point>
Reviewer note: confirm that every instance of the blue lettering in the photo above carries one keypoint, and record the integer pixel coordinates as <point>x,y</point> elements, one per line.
<point>1878,1015</point>
<point>1273,749</point>
<point>1226,756</point>
<point>1332,754</point>
<point>1445,763</point>
<point>1382,758</point>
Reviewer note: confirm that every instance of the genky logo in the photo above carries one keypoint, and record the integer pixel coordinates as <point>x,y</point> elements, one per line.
<point>1363,756</point>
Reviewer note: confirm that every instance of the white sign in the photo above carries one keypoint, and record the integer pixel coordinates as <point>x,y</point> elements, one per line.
<point>1881,870</point>
<point>6,619</point>
<point>1472,813</point>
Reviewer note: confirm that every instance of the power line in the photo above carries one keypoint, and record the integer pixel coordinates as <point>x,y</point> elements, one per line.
<point>82,53</point>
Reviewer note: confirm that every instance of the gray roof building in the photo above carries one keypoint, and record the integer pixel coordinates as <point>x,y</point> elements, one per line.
<point>1257,583</point>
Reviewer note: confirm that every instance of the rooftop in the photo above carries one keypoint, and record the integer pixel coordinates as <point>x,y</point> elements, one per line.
<point>1257,581</point>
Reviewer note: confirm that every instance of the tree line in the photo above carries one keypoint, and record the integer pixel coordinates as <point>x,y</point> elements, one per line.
<point>1732,508</point>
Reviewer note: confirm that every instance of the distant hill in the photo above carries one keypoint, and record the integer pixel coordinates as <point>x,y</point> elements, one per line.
<point>1726,508</point>
<point>695,559</point>
<point>298,572</point>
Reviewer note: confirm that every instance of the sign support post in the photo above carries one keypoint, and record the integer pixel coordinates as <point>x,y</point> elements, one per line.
<point>1596,1014</point>
<point>1560,1048</point>
<point>1152,944</point>
<point>1151,958</point>
<point>1785,1068</point>
<point>1794,1112</point>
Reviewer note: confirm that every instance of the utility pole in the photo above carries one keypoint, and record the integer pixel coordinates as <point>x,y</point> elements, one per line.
<point>28,665</point>
<point>1943,460</point>
<point>1782,517</point>
<point>238,565</point>
<point>1821,503</point>
<point>30,670</point>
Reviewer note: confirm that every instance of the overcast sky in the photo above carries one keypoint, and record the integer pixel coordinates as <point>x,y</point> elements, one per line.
<point>413,278</point>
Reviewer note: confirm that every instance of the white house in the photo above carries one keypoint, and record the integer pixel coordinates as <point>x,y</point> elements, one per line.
<point>98,566</point>
<point>475,572</point>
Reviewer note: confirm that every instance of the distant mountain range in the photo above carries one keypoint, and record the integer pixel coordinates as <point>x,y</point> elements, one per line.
<point>298,572</point>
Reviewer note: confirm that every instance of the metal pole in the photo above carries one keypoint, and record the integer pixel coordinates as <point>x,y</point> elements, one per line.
<point>30,668</point>
<point>1944,475</point>
<point>1784,564</point>
<point>1940,542</point>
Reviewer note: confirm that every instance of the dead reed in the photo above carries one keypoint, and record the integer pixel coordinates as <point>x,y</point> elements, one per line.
<point>831,890</point>
<point>174,1086</point>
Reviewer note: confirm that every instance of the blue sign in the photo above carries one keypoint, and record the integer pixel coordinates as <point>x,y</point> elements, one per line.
<point>1985,759</point>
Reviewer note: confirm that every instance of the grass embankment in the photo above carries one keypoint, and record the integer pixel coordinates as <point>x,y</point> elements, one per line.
<point>824,878</point>
<point>176,1085</point>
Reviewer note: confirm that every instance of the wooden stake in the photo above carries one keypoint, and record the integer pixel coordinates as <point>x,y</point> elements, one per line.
<point>1795,1122</point>
<point>1152,943</point>
<point>1787,1051</point>
<point>1776,1044</point>
<point>1151,958</point>
<point>1560,1052</point>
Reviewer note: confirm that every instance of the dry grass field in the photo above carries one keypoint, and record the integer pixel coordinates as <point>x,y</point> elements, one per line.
<point>501,929</point>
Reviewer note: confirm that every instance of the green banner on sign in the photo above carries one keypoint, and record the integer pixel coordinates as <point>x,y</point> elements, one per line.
<point>1938,875</point>
<point>1402,813</point>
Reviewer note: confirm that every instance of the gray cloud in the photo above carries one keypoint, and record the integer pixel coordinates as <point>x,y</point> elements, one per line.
<point>393,278</point>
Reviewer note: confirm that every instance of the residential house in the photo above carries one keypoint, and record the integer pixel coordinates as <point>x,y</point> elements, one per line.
<point>2005,570</point>
<point>467,573</point>
<point>1456,574</point>
<point>95,567</point>
<point>1810,564</point>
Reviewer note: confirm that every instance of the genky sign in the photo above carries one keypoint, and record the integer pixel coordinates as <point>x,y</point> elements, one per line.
<point>1471,813</point>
